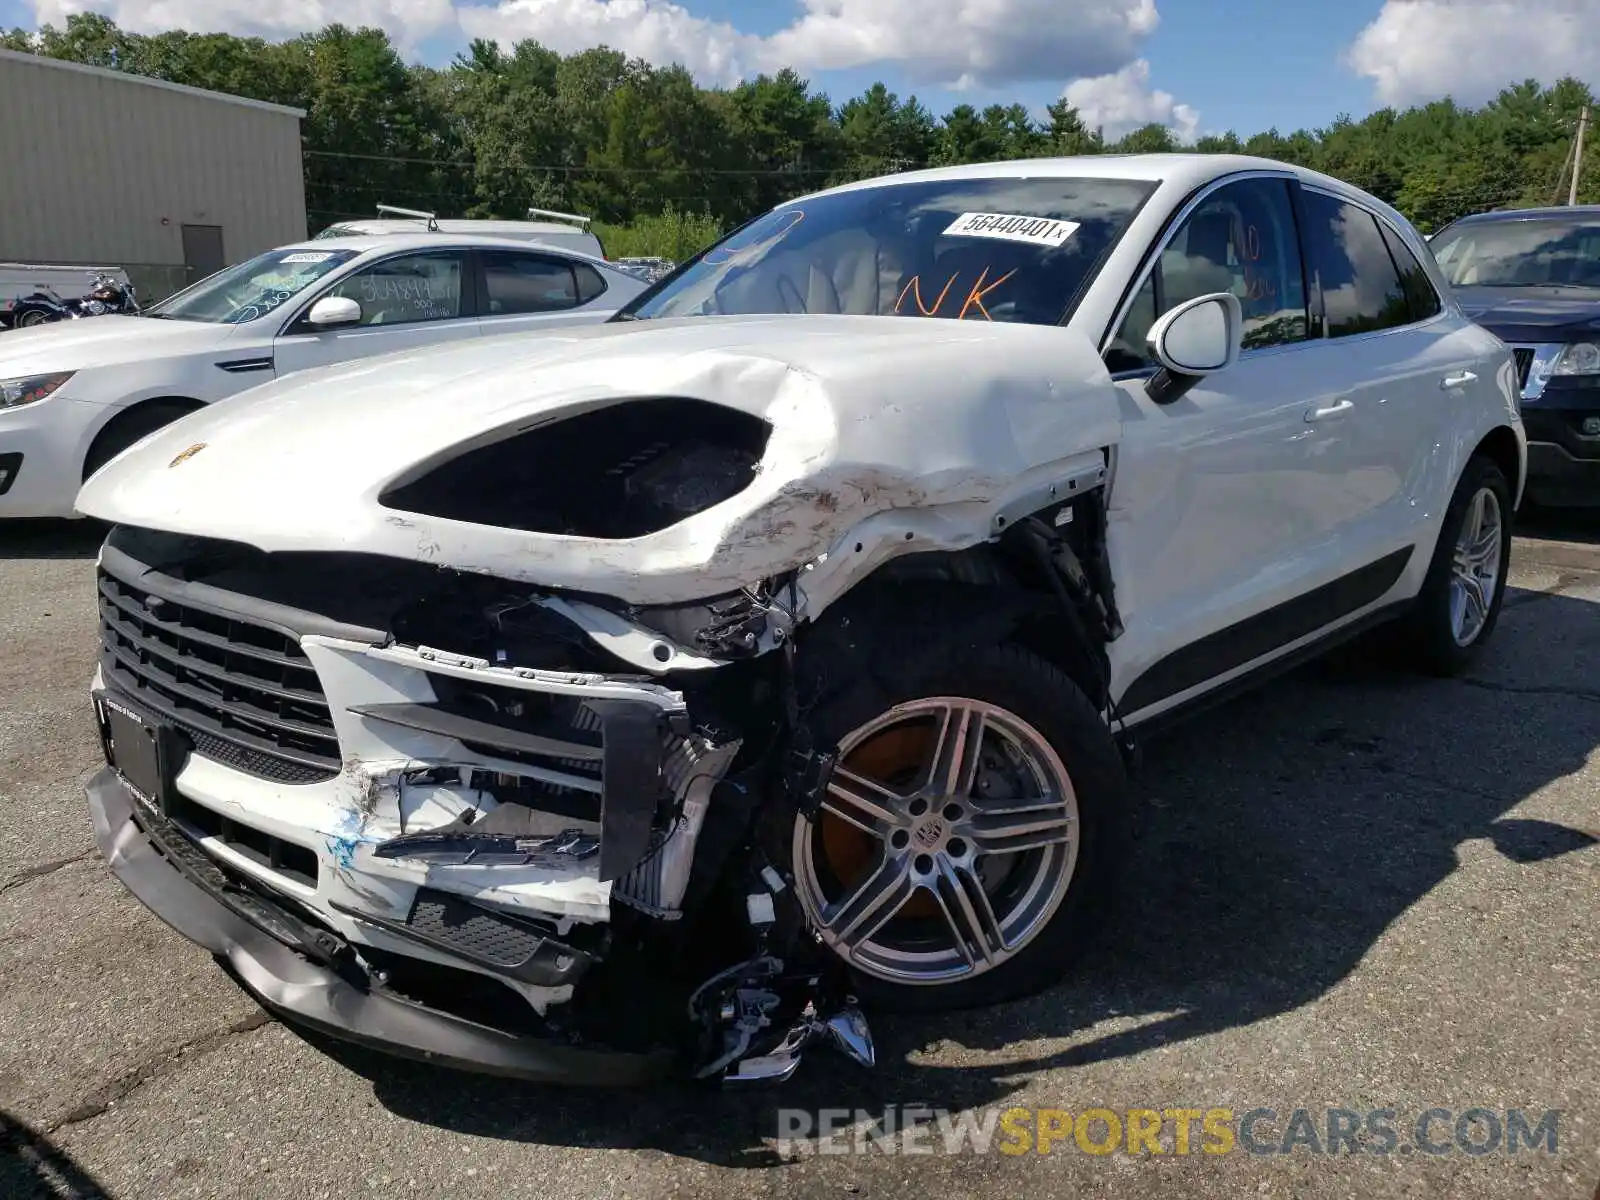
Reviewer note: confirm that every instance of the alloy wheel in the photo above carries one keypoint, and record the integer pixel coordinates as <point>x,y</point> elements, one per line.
<point>946,840</point>
<point>1475,566</point>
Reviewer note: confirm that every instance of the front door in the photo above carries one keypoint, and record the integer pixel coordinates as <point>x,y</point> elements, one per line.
<point>406,301</point>
<point>1226,503</point>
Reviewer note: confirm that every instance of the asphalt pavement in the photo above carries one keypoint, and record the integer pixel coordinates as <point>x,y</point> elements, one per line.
<point>1356,890</point>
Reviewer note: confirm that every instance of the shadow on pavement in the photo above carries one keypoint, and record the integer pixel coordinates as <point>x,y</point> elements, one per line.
<point>51,539</point>
<point>31,1166</point>
<point>1285,832</point>
<point>1559,525</point>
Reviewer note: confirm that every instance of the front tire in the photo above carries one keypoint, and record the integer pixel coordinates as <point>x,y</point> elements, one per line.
<point>1462,596</point>
<point>969,833</point>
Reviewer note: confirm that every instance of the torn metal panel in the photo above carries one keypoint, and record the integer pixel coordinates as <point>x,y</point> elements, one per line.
<point>944,423</point>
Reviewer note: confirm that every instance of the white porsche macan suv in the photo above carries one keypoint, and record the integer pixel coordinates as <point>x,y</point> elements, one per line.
<point>633,697</point>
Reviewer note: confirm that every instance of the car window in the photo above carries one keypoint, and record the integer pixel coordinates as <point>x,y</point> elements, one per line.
<point>1418,287</point>
<point>527,283</point>
<point>1002,249</point>
<point>1242,240</point>
<point>591,284</point>
<point>1351,268</point>
<point>410,288</point>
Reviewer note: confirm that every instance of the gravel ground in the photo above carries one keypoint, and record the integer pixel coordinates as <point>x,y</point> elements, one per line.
<point>1355,890</point>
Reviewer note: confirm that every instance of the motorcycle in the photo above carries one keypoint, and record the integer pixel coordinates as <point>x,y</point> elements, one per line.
<point>105,295</point>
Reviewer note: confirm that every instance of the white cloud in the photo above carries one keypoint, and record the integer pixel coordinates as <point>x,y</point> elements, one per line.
<point>937,42</point>
<point>1124,100</point>
<point>986,41</point>
<point>407,21</point>
<point>1421,50</point>
<point>658,31</point>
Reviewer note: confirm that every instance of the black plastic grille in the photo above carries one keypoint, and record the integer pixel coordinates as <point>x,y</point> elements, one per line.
<point>1524,357</point>
<point>244,694</point>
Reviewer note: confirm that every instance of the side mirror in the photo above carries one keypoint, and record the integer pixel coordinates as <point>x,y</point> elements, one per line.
<point>333,311</point>
<point>1192,340</point>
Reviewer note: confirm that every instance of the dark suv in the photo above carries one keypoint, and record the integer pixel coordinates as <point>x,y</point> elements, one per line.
<point>1532,278</point>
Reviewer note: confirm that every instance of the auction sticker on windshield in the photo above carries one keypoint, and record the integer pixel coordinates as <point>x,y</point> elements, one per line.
<point>1009,227</point>
<point>307,256</point>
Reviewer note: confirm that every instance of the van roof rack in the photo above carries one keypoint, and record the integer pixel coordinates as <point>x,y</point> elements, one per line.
<point>431,218</point>
<point>572,218</point>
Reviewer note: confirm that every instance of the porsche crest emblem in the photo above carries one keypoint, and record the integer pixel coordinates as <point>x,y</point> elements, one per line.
<point>187,454</point>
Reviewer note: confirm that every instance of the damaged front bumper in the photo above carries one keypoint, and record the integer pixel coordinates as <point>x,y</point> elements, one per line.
<point>253,935</point>
<point>412,848</point>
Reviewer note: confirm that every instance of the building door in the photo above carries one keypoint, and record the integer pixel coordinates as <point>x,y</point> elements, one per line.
<point>202,251</point>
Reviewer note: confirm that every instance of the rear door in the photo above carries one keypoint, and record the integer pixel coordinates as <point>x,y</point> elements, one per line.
<point>525,291</point>
<point>1406,357</point>
<point>419,298</point>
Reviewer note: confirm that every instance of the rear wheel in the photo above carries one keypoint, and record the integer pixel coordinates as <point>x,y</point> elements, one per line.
<point>1461,598</point>
<point>969,830</point>
<point>27,318</point>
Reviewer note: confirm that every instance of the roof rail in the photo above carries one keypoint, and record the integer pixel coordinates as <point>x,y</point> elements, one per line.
<point>431,218</point>
<point>581,222</point>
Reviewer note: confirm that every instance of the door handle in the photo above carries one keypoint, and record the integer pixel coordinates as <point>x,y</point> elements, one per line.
<point>1455,381</point>
<point>1333,410</point>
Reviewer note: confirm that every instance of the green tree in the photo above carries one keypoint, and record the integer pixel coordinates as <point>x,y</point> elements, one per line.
<point>502,129</point>
<point>1067,132</point>
<point>1147,139</point>
<point>786,137</point>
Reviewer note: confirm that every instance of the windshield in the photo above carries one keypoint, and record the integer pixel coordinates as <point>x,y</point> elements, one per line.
<point>252,288</point>
<point>1540,252</point>
<point>334,231</point>
<point>1018,250</point>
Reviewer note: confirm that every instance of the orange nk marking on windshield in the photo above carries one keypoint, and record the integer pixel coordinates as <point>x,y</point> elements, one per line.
<point>915,288</point>
<point>974,299</point>
<point>978,292</point>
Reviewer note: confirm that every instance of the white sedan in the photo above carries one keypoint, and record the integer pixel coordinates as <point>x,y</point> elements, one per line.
<point>787,628</point>
<point>74,394</point>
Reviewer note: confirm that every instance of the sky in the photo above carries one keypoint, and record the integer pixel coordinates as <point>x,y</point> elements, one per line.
<point>1198,66</point>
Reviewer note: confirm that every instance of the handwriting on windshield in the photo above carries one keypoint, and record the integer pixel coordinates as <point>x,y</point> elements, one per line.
<point>976,295</point>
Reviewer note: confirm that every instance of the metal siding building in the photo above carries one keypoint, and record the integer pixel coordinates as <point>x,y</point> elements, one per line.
<point>102,168</point>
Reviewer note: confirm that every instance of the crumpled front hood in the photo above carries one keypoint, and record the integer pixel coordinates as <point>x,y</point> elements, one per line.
<point>869,414</point>
<point>103,341</point>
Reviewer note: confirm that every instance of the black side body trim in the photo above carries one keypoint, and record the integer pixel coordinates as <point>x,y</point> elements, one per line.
<point>1258,636</point>
<point>1258,676</point>
<point>241,366</point>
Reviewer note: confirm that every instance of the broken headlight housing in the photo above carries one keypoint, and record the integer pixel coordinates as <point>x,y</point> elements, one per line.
<point>14,393</point>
